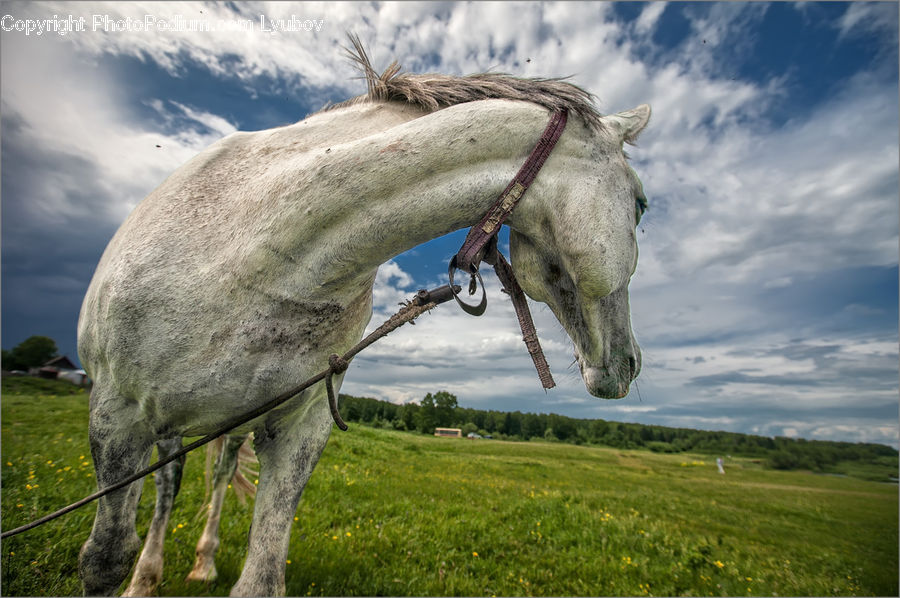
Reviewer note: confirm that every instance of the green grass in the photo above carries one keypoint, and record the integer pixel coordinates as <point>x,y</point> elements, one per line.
<point>390,513</point>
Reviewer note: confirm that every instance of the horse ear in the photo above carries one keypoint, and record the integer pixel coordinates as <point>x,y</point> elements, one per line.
<point>629,124</point>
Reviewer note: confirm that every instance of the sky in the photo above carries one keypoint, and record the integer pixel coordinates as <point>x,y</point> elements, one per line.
<point>766,295</point>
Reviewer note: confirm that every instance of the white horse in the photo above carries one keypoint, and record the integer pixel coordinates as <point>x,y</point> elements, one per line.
<point>248,266</point>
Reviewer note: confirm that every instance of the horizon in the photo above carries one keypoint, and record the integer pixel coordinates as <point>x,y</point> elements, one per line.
<point>713,431</point>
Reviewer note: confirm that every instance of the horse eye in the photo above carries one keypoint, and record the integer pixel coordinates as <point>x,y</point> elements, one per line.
<point>640,206</point>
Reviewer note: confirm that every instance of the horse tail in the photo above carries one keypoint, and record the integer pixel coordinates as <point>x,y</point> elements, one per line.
<point>213,449</point>
<point>240,481</point>
<point>246,460</point>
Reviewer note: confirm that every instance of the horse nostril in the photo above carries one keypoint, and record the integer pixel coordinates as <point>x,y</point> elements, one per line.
<point>632,363</point>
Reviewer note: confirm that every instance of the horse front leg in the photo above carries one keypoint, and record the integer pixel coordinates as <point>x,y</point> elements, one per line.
<point>120,446</point>
<point>288,451</point>
<point>225,468</point>
<point>148,571</point>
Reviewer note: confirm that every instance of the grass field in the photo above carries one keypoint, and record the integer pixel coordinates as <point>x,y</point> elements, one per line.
<point>389,513</point>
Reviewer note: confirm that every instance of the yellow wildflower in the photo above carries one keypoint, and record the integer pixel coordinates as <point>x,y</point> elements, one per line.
<point>719,564</point>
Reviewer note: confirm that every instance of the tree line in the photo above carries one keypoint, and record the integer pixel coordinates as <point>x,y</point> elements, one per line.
<point>32,352</point>
<point>441,410</point>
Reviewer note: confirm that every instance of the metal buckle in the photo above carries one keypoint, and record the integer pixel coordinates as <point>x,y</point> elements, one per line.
<point>475,310</point>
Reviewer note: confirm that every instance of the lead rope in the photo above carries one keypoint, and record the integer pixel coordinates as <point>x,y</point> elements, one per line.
<point>337,364</point>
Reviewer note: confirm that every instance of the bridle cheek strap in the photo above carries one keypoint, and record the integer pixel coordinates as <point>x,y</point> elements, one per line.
<point>481,244</point>
<point>467,257</point>
<point>523,314</point>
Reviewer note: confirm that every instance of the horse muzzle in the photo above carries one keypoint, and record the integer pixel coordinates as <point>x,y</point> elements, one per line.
<point>611,381</point>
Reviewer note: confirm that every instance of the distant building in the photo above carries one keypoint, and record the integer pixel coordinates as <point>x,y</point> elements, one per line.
<point>61,368</point>
<point>77,377</point>
<point>448,432</point>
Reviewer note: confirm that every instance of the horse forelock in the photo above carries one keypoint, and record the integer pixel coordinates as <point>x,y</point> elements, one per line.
<point>433,91</point>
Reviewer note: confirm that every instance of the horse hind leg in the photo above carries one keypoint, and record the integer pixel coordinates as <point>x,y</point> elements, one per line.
<point>120,446</point>
<point>148,571</point>
<point>226,469</point>
<point>288,451</point>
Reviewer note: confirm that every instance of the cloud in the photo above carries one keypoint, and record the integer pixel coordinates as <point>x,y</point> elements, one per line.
<point>248,54</point>
<point>217,125</point>
<point>772,203</point>
<point>391,287</point>
<point>75,162</point>
<point>84,121</point>
<point>868,18</point>
<point>649,17</point>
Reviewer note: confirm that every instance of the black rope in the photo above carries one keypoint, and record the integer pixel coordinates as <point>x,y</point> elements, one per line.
<point>424,301</point>
<point>337,365</point>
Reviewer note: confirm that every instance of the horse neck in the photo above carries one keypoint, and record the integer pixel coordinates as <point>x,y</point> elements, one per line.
<point>368,200</point>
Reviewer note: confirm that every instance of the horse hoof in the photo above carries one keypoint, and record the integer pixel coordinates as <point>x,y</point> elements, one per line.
<point>143,586</point>
<point>202,576</point>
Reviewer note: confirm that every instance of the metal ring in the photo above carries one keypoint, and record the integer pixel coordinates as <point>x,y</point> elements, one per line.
<point>475,310</point>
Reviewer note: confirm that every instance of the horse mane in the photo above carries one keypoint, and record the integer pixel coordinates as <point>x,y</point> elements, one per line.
<point>433,91</point>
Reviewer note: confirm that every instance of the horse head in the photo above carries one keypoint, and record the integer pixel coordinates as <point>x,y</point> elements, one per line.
<point>579,250</point>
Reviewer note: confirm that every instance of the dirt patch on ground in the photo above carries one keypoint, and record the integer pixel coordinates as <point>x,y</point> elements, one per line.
<point>633,463</point>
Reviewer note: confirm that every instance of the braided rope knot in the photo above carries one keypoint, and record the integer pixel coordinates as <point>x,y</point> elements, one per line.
<point>337,364</point>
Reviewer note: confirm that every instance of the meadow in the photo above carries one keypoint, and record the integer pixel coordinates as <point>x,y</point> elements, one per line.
<point>391,513</point>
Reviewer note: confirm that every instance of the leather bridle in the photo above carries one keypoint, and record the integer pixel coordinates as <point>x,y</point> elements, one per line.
<point>481,245</point>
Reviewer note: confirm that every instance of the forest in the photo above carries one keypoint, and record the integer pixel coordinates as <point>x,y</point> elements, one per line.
<point>441,409</point>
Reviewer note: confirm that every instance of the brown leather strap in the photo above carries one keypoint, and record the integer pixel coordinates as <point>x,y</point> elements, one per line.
<point>523,314</point>
<point>481,244</point>
<point>471,251</point>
